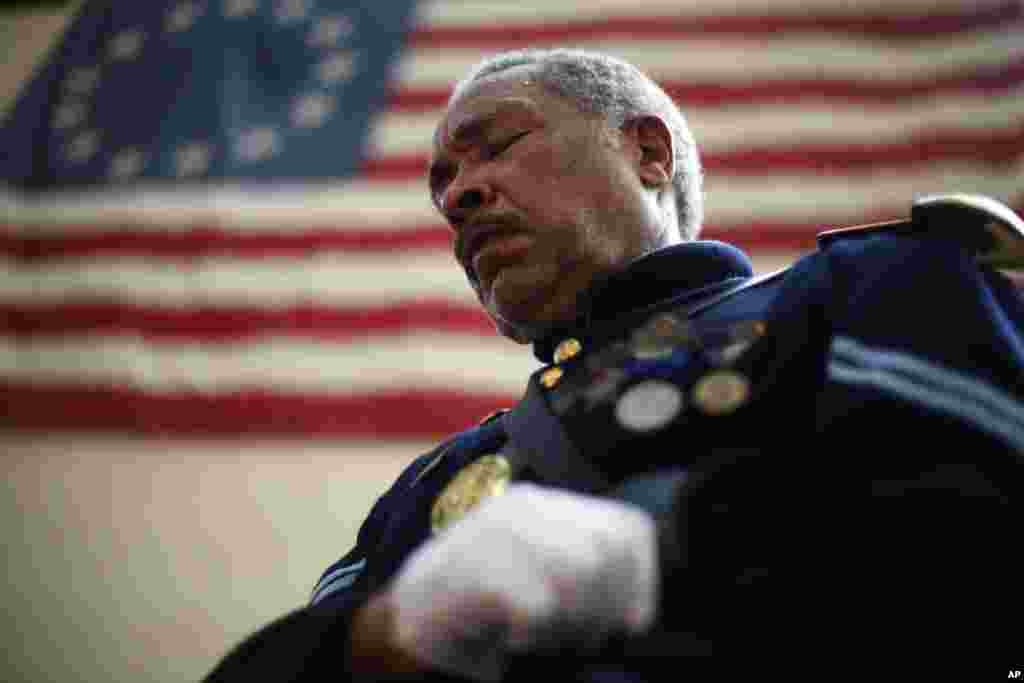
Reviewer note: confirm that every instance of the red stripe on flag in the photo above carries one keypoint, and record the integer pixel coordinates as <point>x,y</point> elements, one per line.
<point>400,414</point>
<point>82,241</point>
<point>982,146</point>
<point>990,147</point>
<point>982,81</point>
<point>935,25</point>
<point>70,243</point>
<point>229,325</point>
<point>34,250</point>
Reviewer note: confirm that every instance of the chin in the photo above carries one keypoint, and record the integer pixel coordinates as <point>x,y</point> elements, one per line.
<point>523,326</point>
<point>516,322</point>
<point>510,331</point>
<point>525,313</point>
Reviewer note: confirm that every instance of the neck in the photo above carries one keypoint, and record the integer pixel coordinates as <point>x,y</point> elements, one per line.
<point>675,273</point>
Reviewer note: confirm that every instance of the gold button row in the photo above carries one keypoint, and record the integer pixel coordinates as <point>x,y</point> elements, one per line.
<point>567,349</point>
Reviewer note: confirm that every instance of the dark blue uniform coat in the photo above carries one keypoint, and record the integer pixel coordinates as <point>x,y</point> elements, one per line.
<point>833,454</point>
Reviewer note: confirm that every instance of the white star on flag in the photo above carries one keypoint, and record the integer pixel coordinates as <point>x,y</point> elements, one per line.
<point>182,17</point>
<point>83,146</point>
<point>126,163</point>
<point>288,11</point>
<point>329,30</point>
<point>69,114</point>
<point>83,80</point>
<point>258,144</point>
<point>310,111</point>
<point>240,8</point>
<point>337,67</point>
<point>126,45</point>
<point>192,159</point>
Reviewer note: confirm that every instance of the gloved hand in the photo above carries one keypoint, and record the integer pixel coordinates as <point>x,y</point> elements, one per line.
<point>532,569</point>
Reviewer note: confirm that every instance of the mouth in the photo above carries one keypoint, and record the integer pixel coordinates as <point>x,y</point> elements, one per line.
<point>474,238</point>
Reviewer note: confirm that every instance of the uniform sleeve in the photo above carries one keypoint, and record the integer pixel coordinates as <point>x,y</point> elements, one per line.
<point>313,640</point>
<point>924,387</point>
<point>875,519</point>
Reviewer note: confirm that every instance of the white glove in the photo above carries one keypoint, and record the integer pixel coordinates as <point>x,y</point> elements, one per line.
<point>531,569</point>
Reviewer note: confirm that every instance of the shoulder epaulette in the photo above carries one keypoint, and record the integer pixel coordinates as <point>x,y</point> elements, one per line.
<point>491,417</point>
<point>989,227</point>
<point>711,302</point>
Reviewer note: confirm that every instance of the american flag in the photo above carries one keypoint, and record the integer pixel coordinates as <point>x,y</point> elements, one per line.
<point>215,217</point>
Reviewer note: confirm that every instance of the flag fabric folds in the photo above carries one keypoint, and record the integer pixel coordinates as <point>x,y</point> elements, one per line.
<point>215,216</point>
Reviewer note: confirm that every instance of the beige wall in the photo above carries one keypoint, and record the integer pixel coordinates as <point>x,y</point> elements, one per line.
<point>133,559</point>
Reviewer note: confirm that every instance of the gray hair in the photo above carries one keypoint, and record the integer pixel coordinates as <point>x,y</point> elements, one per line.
<point>607,86</point>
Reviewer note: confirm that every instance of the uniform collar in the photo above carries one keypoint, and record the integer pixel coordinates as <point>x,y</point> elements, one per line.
<point>687,271</point>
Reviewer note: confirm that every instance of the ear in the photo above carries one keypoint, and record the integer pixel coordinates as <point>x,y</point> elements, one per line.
<point>652,142</point>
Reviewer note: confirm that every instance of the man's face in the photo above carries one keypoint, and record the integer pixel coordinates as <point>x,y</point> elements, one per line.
<point>542,198</point>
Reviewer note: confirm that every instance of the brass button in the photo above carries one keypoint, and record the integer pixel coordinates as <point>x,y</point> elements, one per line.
<point>721,392</point>
<point>481,479</point>
<point>569,348</point>
<point>550,377</point>
<point>748,330</point>
<point>667,326</point>
<point>660,337</point>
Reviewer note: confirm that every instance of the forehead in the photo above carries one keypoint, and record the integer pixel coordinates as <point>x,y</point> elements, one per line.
<point>514,90</point>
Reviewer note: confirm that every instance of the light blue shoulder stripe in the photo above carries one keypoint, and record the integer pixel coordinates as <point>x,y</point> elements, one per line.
<point>920,381</point>
<point>342,575</point>
<point>1003,322</point>
<point>343,582</point>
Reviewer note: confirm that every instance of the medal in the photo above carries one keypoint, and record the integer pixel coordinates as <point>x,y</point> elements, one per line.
<point>721,392</point>
<point>660,337</point>
<point>649,406</point>
<point>477,481</point>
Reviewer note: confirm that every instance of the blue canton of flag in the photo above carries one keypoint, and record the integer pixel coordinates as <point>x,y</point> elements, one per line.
<point>190,90</point>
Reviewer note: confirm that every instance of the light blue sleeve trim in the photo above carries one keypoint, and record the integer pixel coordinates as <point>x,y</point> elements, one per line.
<point>342,577</point>
<point>343,582</point>
<point>919,381</point>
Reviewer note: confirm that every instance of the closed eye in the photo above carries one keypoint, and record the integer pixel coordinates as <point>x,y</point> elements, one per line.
<point>440,175</point>
<point>497,149</point>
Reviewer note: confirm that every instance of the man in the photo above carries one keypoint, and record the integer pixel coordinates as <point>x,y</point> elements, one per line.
<point>694,430</point>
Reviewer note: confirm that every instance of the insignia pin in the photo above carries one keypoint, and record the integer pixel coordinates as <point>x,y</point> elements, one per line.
<point>721,392</point>
<point>481,479</point>
<point>549,378</point>
<point>569,348</point>
<point>659,337</point>
<point>649,406</point>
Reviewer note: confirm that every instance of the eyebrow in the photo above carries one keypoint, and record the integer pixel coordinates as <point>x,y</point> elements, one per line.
<point>467,132</point>
<point>477,125</point>
<point>470,131</point>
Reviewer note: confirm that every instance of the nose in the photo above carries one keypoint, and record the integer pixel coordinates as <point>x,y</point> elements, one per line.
<point>462,198</point>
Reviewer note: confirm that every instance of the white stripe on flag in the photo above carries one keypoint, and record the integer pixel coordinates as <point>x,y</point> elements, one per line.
<point>326,279</point>
<point>776,125</point>
<point>450,13</point>
<point>390,205</point>
<point>422,360</point>
<point>726,59</point>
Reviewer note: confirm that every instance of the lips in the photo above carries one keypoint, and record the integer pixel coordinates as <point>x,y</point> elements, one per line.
<point>474,238</point>
<point>498,252</point>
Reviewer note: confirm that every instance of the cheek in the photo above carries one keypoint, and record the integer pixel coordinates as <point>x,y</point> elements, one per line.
<point>568,200</point>
<point>543,192</point>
